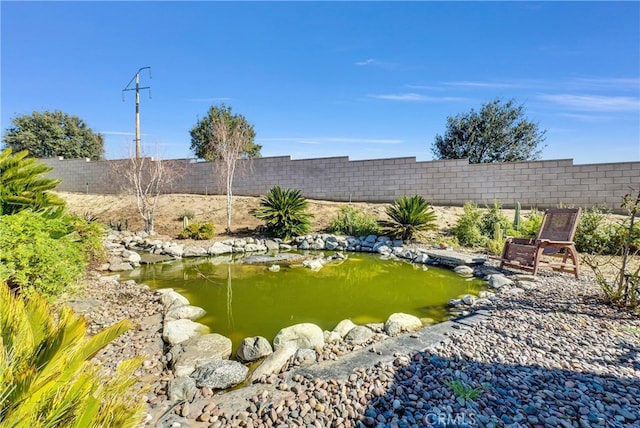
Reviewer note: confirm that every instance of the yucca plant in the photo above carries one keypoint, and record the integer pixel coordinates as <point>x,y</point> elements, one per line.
<point>46,376</point>
<point>23,187</point>
<point>284,213</point>
<point>410,216</point>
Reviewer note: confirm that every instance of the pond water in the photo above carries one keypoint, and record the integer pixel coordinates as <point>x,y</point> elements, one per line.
<point>245,300</point>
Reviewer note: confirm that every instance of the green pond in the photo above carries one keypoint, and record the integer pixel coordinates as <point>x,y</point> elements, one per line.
<point>245,300</point>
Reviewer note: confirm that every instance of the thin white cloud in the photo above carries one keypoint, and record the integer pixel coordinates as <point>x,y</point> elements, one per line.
<point>370,61</point>
<point>373,62</point>
<point>593,102</point>
<point>631,83</point>
<point>413,97</point>
<point>479,84</point>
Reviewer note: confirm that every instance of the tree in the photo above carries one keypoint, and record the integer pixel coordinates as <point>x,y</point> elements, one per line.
<point>147,179</point>
<point>497,133</point>
<point>206,141</point>
<point>224,137</point>
<point>54,133</point>
<point>23,187</point>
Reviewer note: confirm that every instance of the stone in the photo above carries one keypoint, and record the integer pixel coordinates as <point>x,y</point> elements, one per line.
<point>499,281</point>
<point>173,250</point>
<point>468,299</point>
<point>305,357</point>
<point>220,374</point>
<point>344,327</point>
<point>315,264</point>
<point>178,331</point>
<point>305,335</point>
<point>184,312</point>
<point>271,245</point>
<point>331,336</point>
<point>421,259</point>
<point>463,270</point>
<point>173,299</point>
<point>198,351</point>
<point>131,257</point>
<point>331,245</point>
<point>358,335</point>
<point>274,268</point>
<point>253,348</point>
<point>219,248</point>
<point>399,322</point>
<point>273,363</point>
<point>182,388</point>
<point>194,251</point>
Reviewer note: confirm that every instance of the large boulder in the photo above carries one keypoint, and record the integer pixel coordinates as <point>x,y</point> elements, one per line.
<point>184,312</point>
<point>400,322</point>
<point>498,281</point>
<point>219,248</point>
<point>253,348</point>
<point>273,363</point>
<point>178,331</point>
<point>344,327</point>
<point>172,299</point>
<point>220,374</point>
<point>198,351</point>
<point>358,335</point>
<point>305,335</point>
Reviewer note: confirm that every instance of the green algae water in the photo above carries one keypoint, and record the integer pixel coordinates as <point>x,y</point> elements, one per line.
<point>245,300</point>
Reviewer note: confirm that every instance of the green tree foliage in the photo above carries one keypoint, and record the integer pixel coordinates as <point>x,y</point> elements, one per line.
<point>198,231</point>
<point>409,217</point>
<point>284,212</point>
<point>23,187</point>
<point>497,133</point>
<point>208,142</point>
<point>49,134</point>
<point>354,222</point>
<point>44,254</point>
<point>46,376</point>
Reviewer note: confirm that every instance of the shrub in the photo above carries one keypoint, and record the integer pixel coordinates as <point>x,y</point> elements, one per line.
<point>467,229</point>
<point>594,234</point>
<point>198,231</point>
<point>531,226</point>
<point>284,212</point>
<point>410,216</point>
<point>45,254</point>
<point>494,219</point>
<point>45,372</point>
<point>354,222</point>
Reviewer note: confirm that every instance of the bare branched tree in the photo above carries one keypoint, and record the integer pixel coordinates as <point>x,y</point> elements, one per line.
<point>146,179</point>
<point>230,135</point>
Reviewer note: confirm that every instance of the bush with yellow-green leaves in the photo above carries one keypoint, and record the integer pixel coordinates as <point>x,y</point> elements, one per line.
<point>47,378</point>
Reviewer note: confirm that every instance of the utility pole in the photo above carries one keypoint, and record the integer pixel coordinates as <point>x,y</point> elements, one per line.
<point>136,78</point>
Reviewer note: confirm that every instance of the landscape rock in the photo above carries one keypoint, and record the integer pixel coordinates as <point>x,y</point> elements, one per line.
<point>173,299</point>
<point>219,248</point>
<point>305,335</point>
<point>178,331</point>
<point>221,374</point>
<point>358,335</point>
<point>273,363</point>
<point>399,322</point>
<point>253,348</point>
<point>344,327</point>
<point>198,351</point>
<point>185,312</point>
<point>182,388</point>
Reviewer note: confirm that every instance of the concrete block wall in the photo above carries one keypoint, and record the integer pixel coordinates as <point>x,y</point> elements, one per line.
<point>541,184</point>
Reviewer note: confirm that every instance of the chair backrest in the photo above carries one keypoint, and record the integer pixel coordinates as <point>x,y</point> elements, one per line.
<point>559,224</point>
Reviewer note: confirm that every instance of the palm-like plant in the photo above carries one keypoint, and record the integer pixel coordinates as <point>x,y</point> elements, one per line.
<point>23,187</point>
<point>284,212</point>
<point>410,216</point>
<point>46,378</point>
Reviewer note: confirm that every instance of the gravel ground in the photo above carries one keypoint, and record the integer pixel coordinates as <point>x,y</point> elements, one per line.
<point>550,354</point>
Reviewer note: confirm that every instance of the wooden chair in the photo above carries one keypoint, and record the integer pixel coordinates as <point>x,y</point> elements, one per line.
<point>554,241</point>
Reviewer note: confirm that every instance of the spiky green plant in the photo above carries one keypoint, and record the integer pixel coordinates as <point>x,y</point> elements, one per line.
<point>516,216</point>
<point>284,212</point>
<point>410,216</point>
<point>23,187</point>
<point>46,376</point>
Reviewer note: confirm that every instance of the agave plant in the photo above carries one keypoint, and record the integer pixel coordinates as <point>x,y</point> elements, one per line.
<point>23,186</point>
<point>284,212</point>
<point>46,376</point>
<point>410,216</point>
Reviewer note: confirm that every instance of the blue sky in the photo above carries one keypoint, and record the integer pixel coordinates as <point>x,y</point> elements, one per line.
<point>318,79</point>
